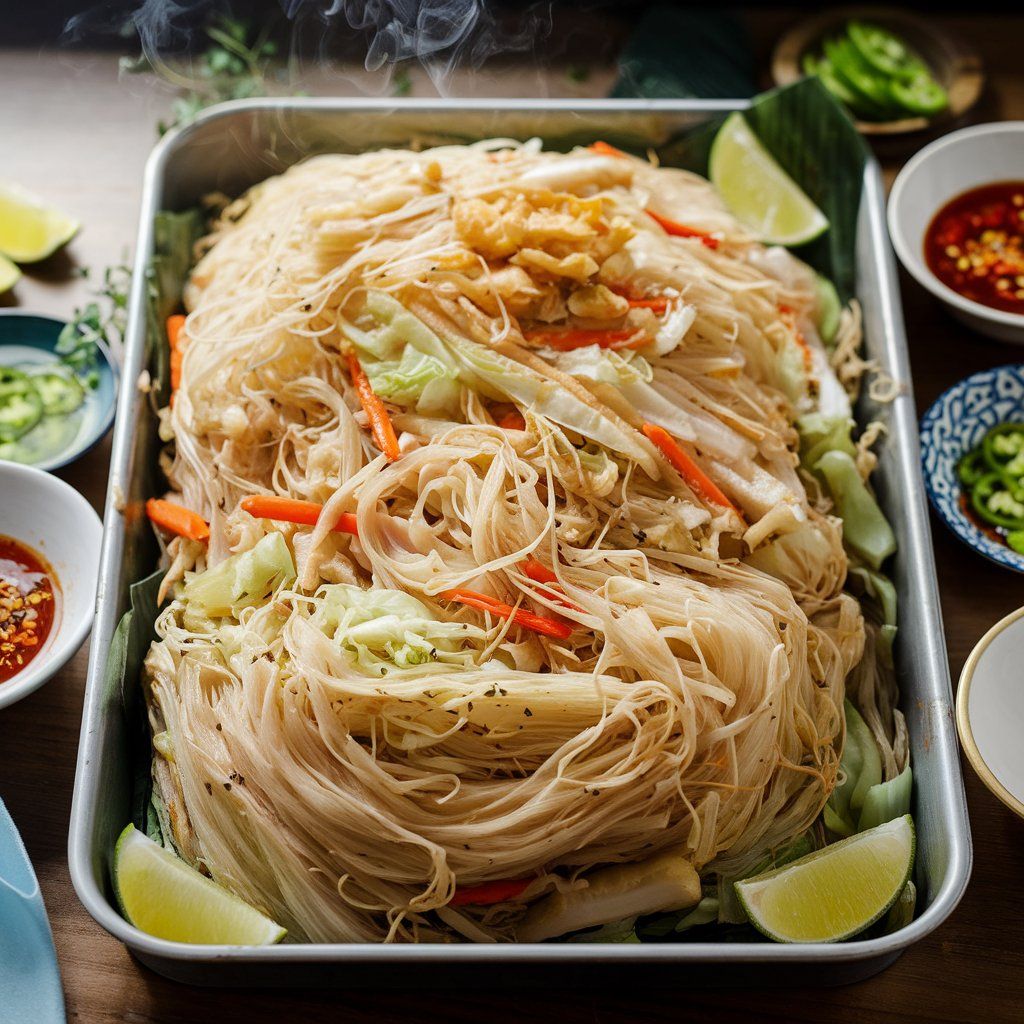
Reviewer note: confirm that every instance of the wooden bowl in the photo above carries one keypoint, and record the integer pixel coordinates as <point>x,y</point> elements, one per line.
<point>956,67</point>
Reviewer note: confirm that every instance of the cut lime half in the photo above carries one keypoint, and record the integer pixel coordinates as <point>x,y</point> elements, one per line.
<point>758,191</point>
<point>833,893</point>
<point>9,275</point>
<point>29,229</point>
<point>163,896</point>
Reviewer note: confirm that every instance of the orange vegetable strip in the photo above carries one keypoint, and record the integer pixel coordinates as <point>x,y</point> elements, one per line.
<point>604,149</point>
<point>176,342</point>
<point>567,340</point>
<point>291,510</point>
<point>380,423</point>
<point>673,227</point>
<point>174,325</point>
<point>176,360</point>
<point>701,484</point>
<point>537,623</point>
<point>512,421</point>
<point>176,519</point>
<point>659,303</point>
<point>489,892</point>
<point>538,572</point>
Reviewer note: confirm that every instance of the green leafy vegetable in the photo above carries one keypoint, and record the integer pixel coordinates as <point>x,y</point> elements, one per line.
<point>666,881</point>
<point>418,380</point>
<point>492,374</point>
<point>865,528</point>
<point>902,911</point>
<point>385,630</point>
<point>243,580</point>
<point>886,800</point>
<point>820,434</point>
<point>880,588</point>
<point>862,768</point>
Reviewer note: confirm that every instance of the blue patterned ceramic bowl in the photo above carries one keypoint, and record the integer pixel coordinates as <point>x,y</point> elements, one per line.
<point>954,424</point>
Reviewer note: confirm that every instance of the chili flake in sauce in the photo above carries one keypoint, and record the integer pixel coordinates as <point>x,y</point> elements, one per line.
<point>26,606</point>
<point>975,245</point>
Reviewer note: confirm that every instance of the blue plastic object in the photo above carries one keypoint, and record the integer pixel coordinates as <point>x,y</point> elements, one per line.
<point>30,987</point>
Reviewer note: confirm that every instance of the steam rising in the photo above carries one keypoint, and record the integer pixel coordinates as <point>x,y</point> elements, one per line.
<point>441,35</point>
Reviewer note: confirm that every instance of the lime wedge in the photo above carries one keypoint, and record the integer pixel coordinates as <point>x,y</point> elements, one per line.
<point>165,897</point>
<point>29,229</point>
<point>835,892</point>
<point>758,191</point>
<point>9,274</point>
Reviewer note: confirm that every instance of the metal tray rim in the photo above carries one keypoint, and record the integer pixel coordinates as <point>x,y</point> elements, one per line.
<point>86,793</point>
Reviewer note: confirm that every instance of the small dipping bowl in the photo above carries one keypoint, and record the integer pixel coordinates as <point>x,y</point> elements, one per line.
<point>28,341</point>
<point>954,425</point>
<point>982,155</point>
<point>990,710</point>
<point>55,522</point>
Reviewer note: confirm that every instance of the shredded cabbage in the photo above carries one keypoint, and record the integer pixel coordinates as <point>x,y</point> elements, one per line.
<point>417,380</point>
<point>387,630</point>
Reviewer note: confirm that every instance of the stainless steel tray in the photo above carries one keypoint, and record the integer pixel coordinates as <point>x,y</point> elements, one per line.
<point>230,148</point>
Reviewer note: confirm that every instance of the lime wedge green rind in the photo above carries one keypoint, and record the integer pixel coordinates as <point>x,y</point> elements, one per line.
<point>165,897</point>
<point>30,230</point>
<point>9,275</point>
<point>836,892</point>
<point>758,191</point>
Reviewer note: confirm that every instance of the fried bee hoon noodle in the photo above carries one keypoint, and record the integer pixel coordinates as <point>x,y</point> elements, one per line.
<point>587,615</point>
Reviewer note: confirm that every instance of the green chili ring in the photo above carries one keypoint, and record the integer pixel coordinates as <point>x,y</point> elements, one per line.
<point>988,490</point>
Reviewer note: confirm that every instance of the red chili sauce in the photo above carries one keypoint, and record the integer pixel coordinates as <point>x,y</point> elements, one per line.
<point>27,587</point>
<point>974,245</point>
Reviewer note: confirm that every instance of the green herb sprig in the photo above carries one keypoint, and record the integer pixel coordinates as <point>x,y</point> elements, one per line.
<point>103,320</point>
<point>237,65</point>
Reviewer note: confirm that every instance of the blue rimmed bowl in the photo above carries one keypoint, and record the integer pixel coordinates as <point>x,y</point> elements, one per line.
<point>29,341</point>
<point>955,424</point>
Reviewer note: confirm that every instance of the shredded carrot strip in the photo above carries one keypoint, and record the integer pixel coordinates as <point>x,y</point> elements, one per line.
<point>700,483</point>
<point>673,227</point>
<point>176,342</point>
<point>512,421</point>
<point>177,358</point>
<point>567,340</point>
<point>489,892</point>
<point>538,623</point>
<point>174,325</point>
<point>659,303</point>
<point>380,423</point>
<point>291,510</point>
<point>176,519</point>
<point>540,573</point>
<point>605,149</point>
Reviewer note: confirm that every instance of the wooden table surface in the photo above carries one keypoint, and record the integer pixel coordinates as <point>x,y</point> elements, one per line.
<point>71,130</point>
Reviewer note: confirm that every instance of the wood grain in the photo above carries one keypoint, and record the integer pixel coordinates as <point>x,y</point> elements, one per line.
<point>80,137</point>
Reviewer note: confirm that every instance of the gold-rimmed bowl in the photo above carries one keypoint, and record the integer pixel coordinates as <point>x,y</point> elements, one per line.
<point>990,710</point>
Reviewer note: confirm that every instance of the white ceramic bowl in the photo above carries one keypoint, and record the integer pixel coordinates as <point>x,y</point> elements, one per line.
<point>957,162</point>
<point>52,518</point>
<point>990,710</point>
